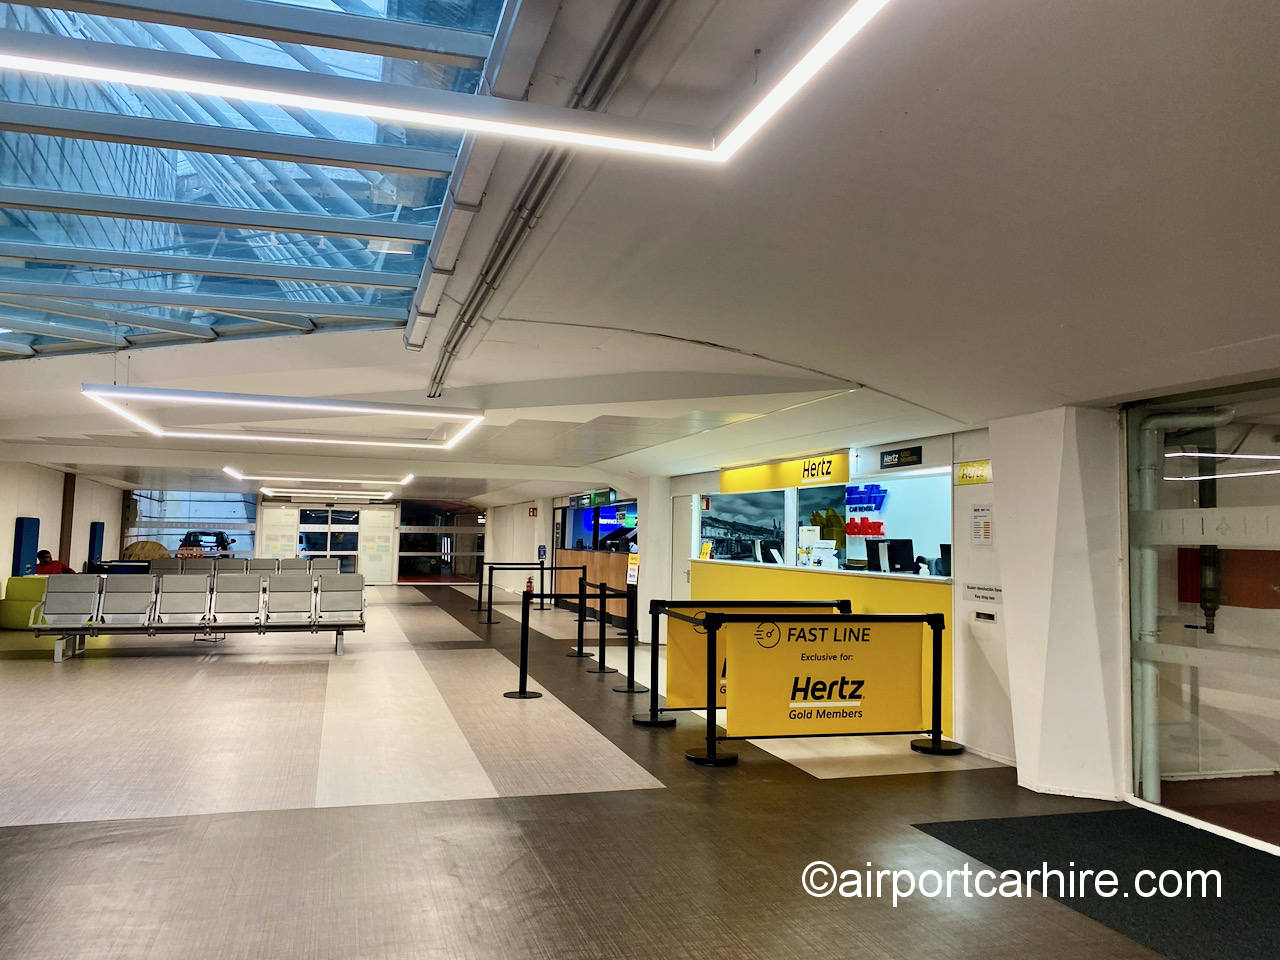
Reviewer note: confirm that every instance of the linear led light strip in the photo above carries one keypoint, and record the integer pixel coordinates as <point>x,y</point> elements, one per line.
<point>107,395</point>
<point>1222,456</point>
<point>233,472</point>
<point>832,42</point>
<point>327,494</point>
<point>1229,476</point>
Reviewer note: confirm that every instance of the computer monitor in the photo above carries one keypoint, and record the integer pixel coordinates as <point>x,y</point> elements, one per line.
<point>945,558</point>
<point>891,556</point>
<point>902,556</point>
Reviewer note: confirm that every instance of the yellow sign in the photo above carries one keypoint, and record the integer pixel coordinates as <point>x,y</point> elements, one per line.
<point>811,678</point>
<point>830,468</point>
<point>704,552</point>
<point>973,471</point>
<point>687,656</point>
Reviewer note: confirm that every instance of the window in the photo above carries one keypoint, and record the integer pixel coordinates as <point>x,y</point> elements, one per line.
<point>820,536</point>
<point>168,516</point>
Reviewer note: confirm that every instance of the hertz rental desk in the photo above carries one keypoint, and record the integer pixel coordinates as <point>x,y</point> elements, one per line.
<point>868,593</point>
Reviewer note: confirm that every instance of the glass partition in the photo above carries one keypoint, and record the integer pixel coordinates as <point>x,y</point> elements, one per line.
<point>1204,496</point>
<point>744,526</point>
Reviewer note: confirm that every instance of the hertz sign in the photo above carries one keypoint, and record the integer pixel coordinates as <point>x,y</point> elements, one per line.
<point>830,468</point>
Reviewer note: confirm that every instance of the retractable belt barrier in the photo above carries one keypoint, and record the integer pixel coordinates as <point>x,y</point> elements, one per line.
<point>543,569</point>
<point>604,591</point>
<point>678,610</point>
<point>823,700</point>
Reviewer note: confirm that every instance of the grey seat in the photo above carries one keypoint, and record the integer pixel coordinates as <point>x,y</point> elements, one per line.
<point>167,565</point>
<point>290,598</point>
<point>71,601</point>
<point>197,565</point>
<point>237,598</point>
<point>230,565</point>
<point>294,565</point>
<point>127,598</point>
<point>262,565</point>
<point>340,598</point>
<point>326,565</point>
<point>184,598</point>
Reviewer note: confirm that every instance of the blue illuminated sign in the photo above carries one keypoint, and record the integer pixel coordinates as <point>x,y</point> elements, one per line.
<point>868,497</point>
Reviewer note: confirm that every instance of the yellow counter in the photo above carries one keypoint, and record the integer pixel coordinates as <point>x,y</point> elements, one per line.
<point>868,593</point>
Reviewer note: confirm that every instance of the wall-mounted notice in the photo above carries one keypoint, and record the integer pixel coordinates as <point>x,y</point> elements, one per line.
<point>983,593</point>
<point>973,471</point>
<point>980,524</point>
<point>902,457</point>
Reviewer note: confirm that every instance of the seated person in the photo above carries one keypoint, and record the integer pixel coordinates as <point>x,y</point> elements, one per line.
<point>47,566</point>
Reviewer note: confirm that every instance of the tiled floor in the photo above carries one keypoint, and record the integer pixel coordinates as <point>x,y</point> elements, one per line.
<point>469,825</point>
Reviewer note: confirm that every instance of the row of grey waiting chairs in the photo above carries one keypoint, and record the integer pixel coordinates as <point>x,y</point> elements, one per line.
<point>276,600</point>
<point>260,565</point>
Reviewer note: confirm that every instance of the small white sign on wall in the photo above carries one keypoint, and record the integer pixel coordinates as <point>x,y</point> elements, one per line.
<point>983,593</point>
<point>980,528</point>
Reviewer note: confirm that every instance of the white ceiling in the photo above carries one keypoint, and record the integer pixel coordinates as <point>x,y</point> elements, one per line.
<point>980,209</point>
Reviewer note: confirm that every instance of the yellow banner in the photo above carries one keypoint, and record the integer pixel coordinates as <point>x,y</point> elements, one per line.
<point>809,678</point>
<point>829,468</point>
<point>973,471</point>
<point>687,656</point>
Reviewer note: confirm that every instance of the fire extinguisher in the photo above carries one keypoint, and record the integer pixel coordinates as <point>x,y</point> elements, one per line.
<point>528,585</point>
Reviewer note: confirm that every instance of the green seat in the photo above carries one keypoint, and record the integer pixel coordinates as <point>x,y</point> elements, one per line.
<point>21,597</point>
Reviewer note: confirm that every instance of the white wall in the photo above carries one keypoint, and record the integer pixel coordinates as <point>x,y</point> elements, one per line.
<point>30,491</point>
<point>1058,523</point>
<point>980,667</point>
<point>94,502</point>
<point>512,536</point>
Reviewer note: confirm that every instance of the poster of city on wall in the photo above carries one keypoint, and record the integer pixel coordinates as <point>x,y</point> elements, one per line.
<point>739,524</point>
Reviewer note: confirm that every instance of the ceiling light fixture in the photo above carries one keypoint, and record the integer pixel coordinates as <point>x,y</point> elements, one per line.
<point>498,117</point>
<point>236,474</point>
<point>108,396</point>
<point>342,494</point>
<point>1221,456</point>
<point>1228,476</point>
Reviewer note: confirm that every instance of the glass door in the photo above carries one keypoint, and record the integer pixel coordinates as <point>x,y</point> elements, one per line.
<point>330,532</point>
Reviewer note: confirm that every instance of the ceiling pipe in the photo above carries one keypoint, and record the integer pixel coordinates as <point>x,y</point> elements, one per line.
<point>1146,678</point>
<point>609,67</point>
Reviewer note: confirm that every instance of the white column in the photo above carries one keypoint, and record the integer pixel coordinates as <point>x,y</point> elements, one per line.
<point>1058,523</point>
<point>653,503</point>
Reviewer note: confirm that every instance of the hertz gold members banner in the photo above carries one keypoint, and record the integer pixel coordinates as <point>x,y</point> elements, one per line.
<point>798,678</point>
<point>687,657</point>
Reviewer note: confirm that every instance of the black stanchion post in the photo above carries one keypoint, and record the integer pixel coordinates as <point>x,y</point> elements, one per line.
<point>632,639</point>
<point>654,717</point>
<point>542,584</point>
<point>935,744</point>
<point>489,615</point>
<point>582,622</point>
<point>708,756</point>
<point>601,666</point>
<point>524,693</point>
<point>480,589</point>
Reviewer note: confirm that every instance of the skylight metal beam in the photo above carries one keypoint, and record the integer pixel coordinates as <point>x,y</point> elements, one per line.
<point>63,331</point>
<point>15,346</point>
<point>202,138</point>
<point>295,24</point>
<point>84,311</point>
<point>200,301</point>
<point>209,266</point>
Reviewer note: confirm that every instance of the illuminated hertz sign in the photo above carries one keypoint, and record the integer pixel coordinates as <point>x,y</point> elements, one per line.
<point>830,468</point>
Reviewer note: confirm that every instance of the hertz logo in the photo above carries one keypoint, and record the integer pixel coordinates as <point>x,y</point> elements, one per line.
<point>816,468</point>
